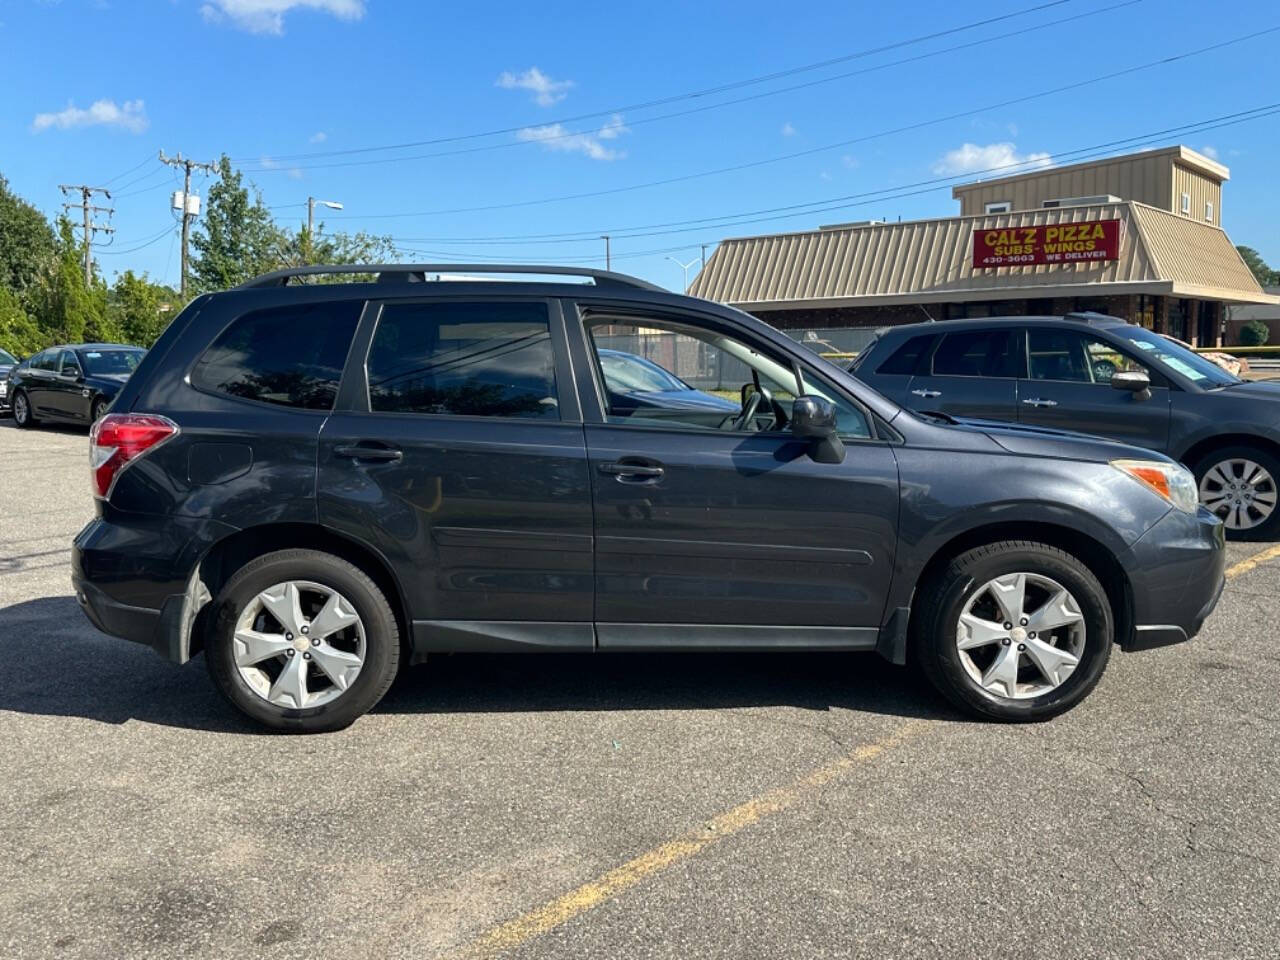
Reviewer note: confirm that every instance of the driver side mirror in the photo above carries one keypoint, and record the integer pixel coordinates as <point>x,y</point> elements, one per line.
<point>1134,381</point>
<point>814,419</point>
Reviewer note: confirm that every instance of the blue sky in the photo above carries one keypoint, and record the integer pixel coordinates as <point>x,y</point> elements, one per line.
<point>90,90</point>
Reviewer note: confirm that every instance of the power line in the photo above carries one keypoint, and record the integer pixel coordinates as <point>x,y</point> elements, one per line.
<point>167,231</point>
<point>90,227</point>
<point>667,181</point>
<point>691,95</point>
<point>835,203</point>
<point>145,161</point>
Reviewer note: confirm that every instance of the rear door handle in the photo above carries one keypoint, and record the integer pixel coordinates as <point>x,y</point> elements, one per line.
<point>1038,402</point>
<point>927,393</point>
<point>369,451</point>
<point>626,471</point>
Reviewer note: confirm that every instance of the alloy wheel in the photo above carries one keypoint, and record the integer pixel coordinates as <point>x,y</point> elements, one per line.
<point>1020,635</point>
<point>20,409</point>
<point>1240,491</point>
<point>299,644</point>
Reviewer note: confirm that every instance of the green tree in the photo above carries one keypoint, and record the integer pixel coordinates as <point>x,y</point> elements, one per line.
<point>65,309</point>
<point>140,309</point>
<point>18,332</point>
<point>1253,260</point>
<point>237,239</point>
<point>302,248</point>
<point>28,246</point>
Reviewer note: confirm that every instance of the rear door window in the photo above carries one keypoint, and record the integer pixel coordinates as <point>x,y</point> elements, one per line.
<point>464,359</point>
<point>978,353</point>
<point>289,356</point>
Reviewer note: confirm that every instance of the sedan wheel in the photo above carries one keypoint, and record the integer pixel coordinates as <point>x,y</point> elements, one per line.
<point>21,410</point>
<point>299,644</point>
<point>1241,491</point>
<point>1020,635</point>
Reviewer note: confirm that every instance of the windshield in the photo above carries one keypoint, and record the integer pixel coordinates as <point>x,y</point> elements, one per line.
<point>1202,372</point>
<point>107,362</point>
<point>627,372</point>
<point>7,357</point>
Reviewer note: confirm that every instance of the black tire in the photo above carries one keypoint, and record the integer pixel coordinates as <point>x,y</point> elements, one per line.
<point>99,409</point>
<point>382,639</point>
<point>942,600</point>
<point>1269,529</point>
<point>27,421</point>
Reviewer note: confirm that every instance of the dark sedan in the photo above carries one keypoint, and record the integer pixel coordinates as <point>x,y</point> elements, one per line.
<point>70,384</point>
<point>1103,376</point>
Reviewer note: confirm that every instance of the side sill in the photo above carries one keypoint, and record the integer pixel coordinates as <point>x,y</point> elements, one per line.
<point>700,636</point>
<point>499,636</point>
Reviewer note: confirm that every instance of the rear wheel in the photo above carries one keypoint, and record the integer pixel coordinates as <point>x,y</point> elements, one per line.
<point>22,415</point>
<point>1241,485</point>
<point>303,641</point>
<point>99,409</point>
<point>1014,631</point>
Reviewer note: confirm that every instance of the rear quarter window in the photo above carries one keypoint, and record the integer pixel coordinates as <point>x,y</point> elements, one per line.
<point>906,359</point>
<point>288,356</point>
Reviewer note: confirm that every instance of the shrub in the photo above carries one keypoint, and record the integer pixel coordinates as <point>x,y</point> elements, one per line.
<point>1254,334</point>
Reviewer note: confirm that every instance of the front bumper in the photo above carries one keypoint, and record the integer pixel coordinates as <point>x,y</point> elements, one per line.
<point>1176,571</point>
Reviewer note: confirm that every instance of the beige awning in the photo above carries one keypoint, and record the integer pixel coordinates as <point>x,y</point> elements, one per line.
<point>931,261</point>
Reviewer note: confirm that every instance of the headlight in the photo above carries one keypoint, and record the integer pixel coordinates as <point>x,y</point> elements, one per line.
<point>1172,481</point>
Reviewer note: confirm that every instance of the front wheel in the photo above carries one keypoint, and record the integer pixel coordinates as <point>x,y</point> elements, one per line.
<point>22,415</point>
<point>1239,485</point>
<point>1014,631</point>
<point>303,641</point>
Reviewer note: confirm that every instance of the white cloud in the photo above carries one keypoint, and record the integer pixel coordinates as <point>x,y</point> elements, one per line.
<point>850,161</point>
<point>788,130</point>
<point>971,158</point>
<point>1210,152</point>
<point>318,137</point>
<point>131,115</point>
<point>270,163</point>
<point>267,16</point>
<point>545,90</point>
<point>554,136</point>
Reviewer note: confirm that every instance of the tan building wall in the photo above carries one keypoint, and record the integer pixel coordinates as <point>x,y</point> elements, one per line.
<point>1157,178</point>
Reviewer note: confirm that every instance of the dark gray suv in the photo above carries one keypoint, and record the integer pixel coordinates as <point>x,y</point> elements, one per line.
<point>314,483</point>
<point>1098,375</point>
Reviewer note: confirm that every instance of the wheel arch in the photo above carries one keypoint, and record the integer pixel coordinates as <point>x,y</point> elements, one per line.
<point>1192,455</point>
<point>224,558</point>
<point>1093,553</point>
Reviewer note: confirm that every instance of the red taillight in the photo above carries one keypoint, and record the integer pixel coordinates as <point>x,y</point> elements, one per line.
<point>120,438</point>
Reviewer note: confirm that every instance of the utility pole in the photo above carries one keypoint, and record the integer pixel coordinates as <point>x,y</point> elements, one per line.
<point>187,214</point>
<point>704,256</point>
<point>608,263</point>
<point>90,228</point>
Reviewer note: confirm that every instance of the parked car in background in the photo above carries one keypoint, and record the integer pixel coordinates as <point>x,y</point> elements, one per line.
<point>71,383</point>
<point>313,481</point>
<point>1103,376</point>
<point>636,383</point>
<point>1236,366</point>
<point>7,362</point>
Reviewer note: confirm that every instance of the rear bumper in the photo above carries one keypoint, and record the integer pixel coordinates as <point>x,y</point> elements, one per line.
<point>1176,572</point>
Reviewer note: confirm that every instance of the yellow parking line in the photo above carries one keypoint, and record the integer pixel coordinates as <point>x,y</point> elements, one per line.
<point>1247,564</point>
<point>595,892</point>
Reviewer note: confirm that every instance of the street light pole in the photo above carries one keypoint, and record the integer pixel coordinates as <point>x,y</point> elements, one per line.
<point>685,267</point>
<point>311,211</point>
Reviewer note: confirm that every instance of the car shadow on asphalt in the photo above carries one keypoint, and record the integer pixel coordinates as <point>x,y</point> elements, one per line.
<point>56,664</point>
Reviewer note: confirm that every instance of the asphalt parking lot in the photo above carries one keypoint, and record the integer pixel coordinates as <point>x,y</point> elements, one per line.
<point>640,806</point>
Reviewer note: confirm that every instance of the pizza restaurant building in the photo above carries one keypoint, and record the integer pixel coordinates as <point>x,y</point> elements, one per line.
<point>1136,236</point>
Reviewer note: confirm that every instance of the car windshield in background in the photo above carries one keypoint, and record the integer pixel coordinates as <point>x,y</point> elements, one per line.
<point>1204,373</point>
<point>625,371</point>
<point>7,357</point>
<point>100,362</point>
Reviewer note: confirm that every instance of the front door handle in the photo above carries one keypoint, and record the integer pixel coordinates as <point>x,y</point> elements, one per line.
<point>629,472</point>
<point>369,451</point>
<point>927,393</point>
<point>1039,402</point>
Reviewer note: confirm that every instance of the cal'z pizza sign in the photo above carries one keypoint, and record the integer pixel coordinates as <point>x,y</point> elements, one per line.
<point>1092,241</point>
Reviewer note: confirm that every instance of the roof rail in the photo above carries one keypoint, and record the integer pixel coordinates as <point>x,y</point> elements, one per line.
<point>417,273</point>
<point>1092,316</point>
